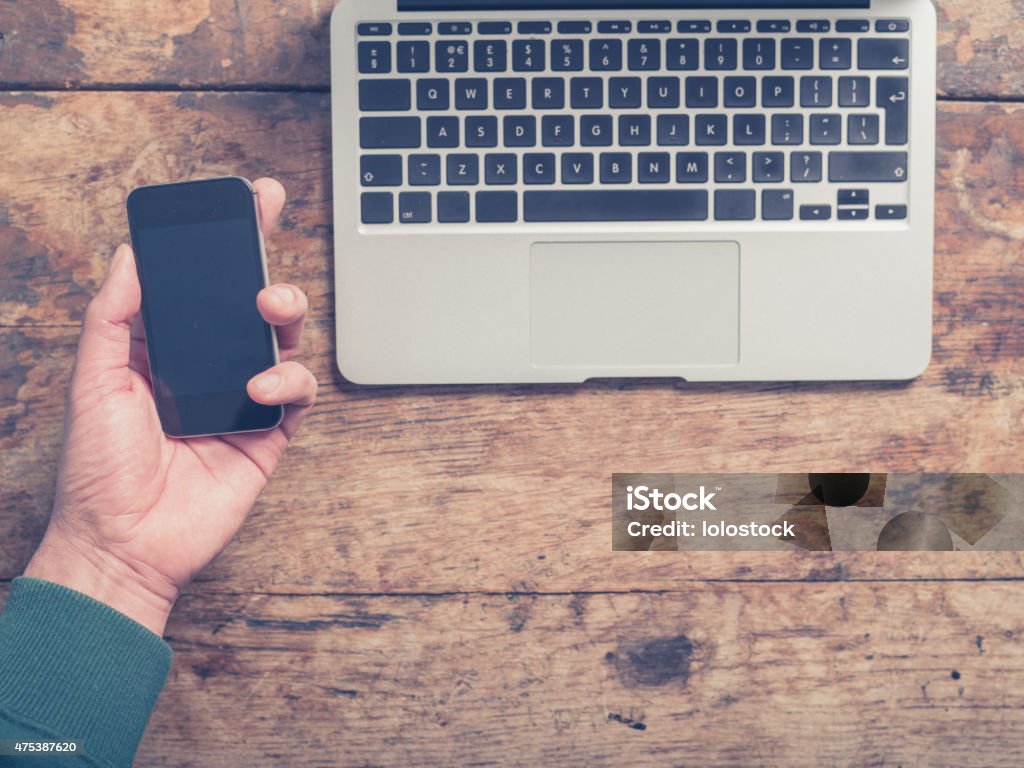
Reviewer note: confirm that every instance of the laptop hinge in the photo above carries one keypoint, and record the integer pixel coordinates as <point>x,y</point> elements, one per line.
<point>622,5</point>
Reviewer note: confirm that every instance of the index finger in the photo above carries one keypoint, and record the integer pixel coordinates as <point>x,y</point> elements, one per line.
<point>270,196</point>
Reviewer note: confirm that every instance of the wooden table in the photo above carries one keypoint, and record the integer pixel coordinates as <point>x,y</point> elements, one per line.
<point>428,579</point>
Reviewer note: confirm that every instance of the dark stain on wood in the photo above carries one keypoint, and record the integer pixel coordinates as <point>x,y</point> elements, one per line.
<point>520,612</point>
<point>346,621</point>
<point>655,662</point>
<point>13,376</point>
<point>636,725</point>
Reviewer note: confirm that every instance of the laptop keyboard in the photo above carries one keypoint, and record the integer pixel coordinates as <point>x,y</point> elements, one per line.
<point>759,120</point>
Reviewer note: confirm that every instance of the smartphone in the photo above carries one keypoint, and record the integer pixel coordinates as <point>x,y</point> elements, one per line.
<point>200,259</point>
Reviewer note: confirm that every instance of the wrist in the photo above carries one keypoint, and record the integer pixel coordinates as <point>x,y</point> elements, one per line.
<point>103,577</point>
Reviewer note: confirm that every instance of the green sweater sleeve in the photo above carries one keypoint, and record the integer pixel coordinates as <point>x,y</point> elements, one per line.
<point>72,668</point>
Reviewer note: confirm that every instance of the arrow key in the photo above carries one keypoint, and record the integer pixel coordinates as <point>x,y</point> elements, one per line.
<point>884,53</point>
<point>815,212</point>
<point>853,197</point>
<point>380,170</point>
<point>891,212</point>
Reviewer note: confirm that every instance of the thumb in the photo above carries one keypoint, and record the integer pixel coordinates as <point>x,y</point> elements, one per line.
<point>102,365</point>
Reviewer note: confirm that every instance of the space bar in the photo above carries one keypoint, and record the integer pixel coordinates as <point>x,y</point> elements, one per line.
<point>616,205</point>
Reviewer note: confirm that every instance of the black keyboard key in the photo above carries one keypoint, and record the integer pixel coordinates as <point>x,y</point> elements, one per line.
<point>805,167</point>
<point>682,55</point>
<point>374,29</point>
<point>390,132</point>
<point>510,93</point>
<point>720,54</point>
<point>482,131</point>
<point>663,93</point>
<point>453,207</point>
<point>868,167</point>
<point>654,168</point>
<point>501,169</point>
<point>548,93</point>
<point>816,92</point>
<point>416,28</point>
<point>414,208</point>
<point>490,56</point>
<point>452,56</point>
<point>853,214</point>
<point>894,98</point>
<point>787,130</point>
<point>854,91</point>
<point>471,94</point>
<point>443,132</point>
<point>529,56</point>
<point>596,130</point>
<point>614,27</point>
<point>769,167</point>
<point>826,129</point>
<point>701,92</point>
<point>574,27</point>
<point>497,207</point>
<point>616,168</point>
<point>539,168</point>
<point>654,27</point>
<point>773,27</point>
<point>673,130</point>
<point>413,56</point>
<point>815,212</point>
<point>577,168</point>
<point>432,94</point>
<point>759,53</point>
<point>836,53</point>
<point>586,93</point>
<point>813,26</point>
<point>463,170</point>
<point>883,53</point>
<point>733,27</point>
<point>692,167</point>
<point>424,170</point>
<point>455,28</point>
<point>740,92</point>
<point>494,27</point>
<point>558,131</point>
<point>634,130</point>
<point>567,55</point>
<point>748,130</point>
<point>694,27</point>
<point>797,53</point>
<point>377,207</point>
<point>644,54</point>
<point>730,168</point>
<point>711,130</point>
<point>375,58</point>
<point>891,212</point>
<point>605,55</point>
<point>615,205</point>
<point>777,205</point>
<point>778,92</point>
<point>625,92</point>
<point>735,204</point>
<point>534,28</point>
<point>380,170</point>
<point>520,131</point>
<point>854,197</point>
<point>890,26</point>
<point>863,130</point>
<point>849,26</point>
<point>385,95</point>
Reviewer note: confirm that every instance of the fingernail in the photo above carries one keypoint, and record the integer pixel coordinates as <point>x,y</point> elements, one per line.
<point>285,294</point>
<point>268,383</point>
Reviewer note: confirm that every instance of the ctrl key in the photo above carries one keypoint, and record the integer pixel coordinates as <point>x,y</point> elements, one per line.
<point>378,207</point>
<point>414,208</point>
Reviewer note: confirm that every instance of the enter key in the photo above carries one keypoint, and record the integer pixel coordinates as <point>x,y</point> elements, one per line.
<point>893,95</point>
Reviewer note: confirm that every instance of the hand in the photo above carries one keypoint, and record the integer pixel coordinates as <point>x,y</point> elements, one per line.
<point>137,514</point>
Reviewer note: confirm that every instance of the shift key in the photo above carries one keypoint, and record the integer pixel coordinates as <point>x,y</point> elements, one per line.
<point>868,166</point>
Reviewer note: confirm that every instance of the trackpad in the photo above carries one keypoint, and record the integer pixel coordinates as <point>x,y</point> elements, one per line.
<point>635,304</point>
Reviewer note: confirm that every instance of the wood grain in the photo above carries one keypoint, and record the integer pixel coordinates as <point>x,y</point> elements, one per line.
<point>285,44</point>
<point>492,488</point>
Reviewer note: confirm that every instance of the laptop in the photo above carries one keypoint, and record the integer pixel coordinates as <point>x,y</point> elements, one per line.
<point>529,191</point>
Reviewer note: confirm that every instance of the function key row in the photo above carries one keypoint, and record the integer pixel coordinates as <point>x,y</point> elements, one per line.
<point>690,26</point>
<point>637,55</point>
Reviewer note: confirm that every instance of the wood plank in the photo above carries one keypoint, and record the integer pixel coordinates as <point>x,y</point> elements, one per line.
<point>285,44</point>
<point>782,675</point>
<point>490,488</point>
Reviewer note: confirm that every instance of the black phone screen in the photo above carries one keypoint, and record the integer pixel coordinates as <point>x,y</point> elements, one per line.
<point>197,250</point>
